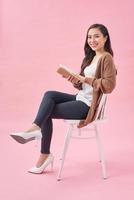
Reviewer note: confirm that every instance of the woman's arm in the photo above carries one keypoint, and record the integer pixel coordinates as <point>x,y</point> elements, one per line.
<point>108,80</point>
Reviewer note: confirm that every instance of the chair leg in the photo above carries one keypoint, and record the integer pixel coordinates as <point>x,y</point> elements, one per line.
<point>66,143</point>
<point>100,150</point>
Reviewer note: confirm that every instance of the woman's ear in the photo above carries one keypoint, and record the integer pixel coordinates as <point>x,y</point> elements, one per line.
<point>106,38</point>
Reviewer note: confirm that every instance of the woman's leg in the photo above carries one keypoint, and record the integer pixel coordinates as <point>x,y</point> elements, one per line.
<point>49,101</point>
<point>60,106</point>
<point>44,121</point>
<point>46,129</point>
<point>67,110</point>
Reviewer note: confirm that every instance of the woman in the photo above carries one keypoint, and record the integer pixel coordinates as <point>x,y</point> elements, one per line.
<point>97,76</point>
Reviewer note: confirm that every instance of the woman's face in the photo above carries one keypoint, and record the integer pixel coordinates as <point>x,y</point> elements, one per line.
<point>96,40</point>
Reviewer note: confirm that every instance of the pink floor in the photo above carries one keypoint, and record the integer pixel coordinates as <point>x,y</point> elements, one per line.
<point>35,37</point>
<point>81,177</point>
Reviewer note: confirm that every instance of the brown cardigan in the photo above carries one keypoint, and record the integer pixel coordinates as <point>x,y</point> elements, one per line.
<point>104,82</point>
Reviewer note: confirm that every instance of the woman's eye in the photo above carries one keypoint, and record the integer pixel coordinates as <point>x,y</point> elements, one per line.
<point>96,36</point>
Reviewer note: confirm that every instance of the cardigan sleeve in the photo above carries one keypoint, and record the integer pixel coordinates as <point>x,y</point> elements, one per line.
<point>107,81</point>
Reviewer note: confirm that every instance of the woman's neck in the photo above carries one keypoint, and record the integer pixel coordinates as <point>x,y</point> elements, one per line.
<point>100,53</point>
<point>97,56</point>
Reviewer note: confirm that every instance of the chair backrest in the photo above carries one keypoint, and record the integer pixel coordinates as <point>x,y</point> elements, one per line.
<point>101,108</point>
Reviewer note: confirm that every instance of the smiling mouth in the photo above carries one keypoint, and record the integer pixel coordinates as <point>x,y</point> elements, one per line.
<point>93,46</point>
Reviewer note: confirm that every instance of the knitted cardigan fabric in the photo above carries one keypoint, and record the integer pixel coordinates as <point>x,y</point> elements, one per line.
<point>104,82</point>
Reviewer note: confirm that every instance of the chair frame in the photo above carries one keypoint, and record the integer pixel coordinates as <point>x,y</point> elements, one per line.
<point>100,117</point>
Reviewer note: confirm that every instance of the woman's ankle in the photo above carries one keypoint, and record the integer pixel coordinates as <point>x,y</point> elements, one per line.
<point>34,127</point>
<point>41,159</point>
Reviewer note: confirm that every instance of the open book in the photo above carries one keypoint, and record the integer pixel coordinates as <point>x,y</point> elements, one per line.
<point>66,72</point>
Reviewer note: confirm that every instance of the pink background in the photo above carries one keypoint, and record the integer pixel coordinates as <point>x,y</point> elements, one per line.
<point>35,36</point>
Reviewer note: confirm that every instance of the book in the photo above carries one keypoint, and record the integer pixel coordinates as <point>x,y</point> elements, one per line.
<point>66,72</point>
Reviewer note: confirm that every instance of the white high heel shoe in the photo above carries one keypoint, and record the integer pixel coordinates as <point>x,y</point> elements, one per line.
<point>24,137</point>
<point>39,170</point>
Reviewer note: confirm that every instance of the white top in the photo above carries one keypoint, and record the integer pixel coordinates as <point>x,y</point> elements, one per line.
<point>86,93</point>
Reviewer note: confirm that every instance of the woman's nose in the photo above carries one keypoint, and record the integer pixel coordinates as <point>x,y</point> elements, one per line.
<point>92,39</point>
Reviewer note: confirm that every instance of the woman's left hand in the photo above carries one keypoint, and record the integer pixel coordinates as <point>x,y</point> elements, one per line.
<point>73,79</point>
<point>82,123</point>
<point>81,78</point>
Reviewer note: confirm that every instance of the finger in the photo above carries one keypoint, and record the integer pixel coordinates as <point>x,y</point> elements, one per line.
<point>70,78</point>
<point>78,81</point>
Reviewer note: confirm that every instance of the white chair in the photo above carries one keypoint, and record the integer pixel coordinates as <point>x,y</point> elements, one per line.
<point>94,125</point>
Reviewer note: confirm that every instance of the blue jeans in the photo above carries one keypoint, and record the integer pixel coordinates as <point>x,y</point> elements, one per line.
<point>57,105</point>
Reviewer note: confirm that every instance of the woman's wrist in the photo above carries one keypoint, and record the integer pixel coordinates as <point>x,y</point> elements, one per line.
<point>89,80</point>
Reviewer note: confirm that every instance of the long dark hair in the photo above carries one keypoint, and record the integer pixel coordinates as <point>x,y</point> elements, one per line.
<point>89,53</point>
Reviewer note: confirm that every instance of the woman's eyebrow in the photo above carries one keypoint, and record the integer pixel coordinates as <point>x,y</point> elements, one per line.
<point>93,35</point>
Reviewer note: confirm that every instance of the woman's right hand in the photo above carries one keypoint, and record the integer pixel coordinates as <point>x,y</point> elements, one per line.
<point>73,80</point>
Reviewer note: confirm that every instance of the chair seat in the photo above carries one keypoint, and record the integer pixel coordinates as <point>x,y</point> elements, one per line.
<point>72,121</point>
<point>76,121</point>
